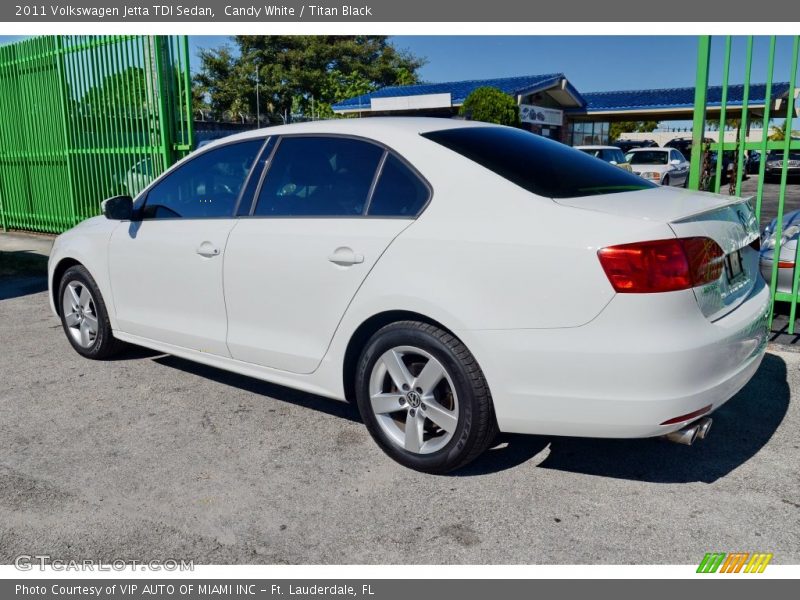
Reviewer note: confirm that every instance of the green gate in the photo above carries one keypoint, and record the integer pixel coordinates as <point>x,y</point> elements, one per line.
<point>779,102</point>
<point>83,118</point>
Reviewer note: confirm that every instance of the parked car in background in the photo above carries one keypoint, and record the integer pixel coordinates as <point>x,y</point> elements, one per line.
<point>664,166</point>
<point>790,232</point>
<point>774,167</point>
<point>626,145</point>
<point>611,154</point>
<point>572,299</point>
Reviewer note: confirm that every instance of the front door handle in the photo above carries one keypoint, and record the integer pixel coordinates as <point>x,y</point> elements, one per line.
<point>345,257</point>
<point>207,249</point>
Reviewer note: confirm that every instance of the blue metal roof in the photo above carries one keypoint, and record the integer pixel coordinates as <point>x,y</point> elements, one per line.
<point>636,100</point>
<point>459,90</point>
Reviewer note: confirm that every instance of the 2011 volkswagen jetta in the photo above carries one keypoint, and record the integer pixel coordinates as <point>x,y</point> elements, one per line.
<point>454,278</point>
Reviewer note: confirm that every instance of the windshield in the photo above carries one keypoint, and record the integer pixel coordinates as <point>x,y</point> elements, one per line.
<point>539,165</point>
<point>648,157</point>
<point>778,155</point>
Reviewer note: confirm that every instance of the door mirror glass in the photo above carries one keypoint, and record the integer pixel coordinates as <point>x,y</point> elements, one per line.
<point>118,208</point>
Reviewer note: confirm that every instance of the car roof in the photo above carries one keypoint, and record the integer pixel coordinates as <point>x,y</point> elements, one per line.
<point>650,149</point>
<point>368,127</point>
<point>597,147</point>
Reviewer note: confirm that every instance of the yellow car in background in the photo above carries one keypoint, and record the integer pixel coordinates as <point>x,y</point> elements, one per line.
<point>610,154</point>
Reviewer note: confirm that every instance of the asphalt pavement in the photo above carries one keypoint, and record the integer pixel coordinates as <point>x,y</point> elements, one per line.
<point>152,457</point>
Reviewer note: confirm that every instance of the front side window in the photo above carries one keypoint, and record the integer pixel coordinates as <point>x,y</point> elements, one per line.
<point>318,176</point>
<point>539,165</point>
<point>399,193</point>
<point>205,187</point>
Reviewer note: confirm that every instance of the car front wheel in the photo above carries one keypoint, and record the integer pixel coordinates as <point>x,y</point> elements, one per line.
<point>84,315</point>
<point>424,398</point>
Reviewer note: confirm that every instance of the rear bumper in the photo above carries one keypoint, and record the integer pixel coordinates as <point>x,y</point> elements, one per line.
<point>643,361</point>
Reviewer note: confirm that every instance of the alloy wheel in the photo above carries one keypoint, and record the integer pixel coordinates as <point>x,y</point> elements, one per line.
<point>413,399</point>
<point>80,314</point>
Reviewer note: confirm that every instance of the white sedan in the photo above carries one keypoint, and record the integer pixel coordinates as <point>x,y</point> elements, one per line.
<point>435,274</point>
<point>664,166</point>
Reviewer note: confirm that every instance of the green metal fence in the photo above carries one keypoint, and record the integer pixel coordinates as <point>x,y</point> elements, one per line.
<point>773,108</point>
<point>83,118</point>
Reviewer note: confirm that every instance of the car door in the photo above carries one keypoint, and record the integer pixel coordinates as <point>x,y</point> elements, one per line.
<point>166,266</point>
<point>681,172</point>
<point>327,208</point>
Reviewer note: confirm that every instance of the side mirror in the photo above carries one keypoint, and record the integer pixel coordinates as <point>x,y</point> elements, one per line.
<point>613,162</point>
<point>118,208</point>
<point>675,162</point>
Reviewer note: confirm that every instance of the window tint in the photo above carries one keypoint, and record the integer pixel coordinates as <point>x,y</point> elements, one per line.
<point>318,176</point>
<point>648,157</point>
<point>613,155</point>
<point>399,193</point>
<point>206,186</point>
<point>539,165</point>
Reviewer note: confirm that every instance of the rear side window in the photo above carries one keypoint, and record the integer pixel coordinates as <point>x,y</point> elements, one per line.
<point>318,177</point>
<point>539,165</point>
<point>399,193</point>
<point>204,187</point>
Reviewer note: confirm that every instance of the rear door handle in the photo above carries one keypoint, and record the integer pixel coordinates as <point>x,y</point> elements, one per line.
<point>207,249</point>
<point>345,257</point>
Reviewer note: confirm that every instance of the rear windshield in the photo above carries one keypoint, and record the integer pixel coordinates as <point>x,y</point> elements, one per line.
<point>539,165</point>
<point>648,157</point>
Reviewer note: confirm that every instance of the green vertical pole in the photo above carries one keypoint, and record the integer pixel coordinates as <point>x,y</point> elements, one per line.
<point>723,114</point>
<point>776,253</point>
<point>166,145</point>
<point>743,125</point>
<point>765,127</point>
<point>62,89</point>
<point>187,80</point>
<point>787,142</point>
<point>699,120</point>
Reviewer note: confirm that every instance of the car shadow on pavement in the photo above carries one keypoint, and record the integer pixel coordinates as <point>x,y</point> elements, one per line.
<point>22,273</point>
<point>328,406</point>
<point>741,428</point>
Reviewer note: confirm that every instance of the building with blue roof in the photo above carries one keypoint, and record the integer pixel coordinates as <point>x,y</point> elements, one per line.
<point>550,105</point>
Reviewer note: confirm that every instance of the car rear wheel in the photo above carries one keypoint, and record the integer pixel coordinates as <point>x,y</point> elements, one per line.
<point>424,398</point>
<point>84,315</point>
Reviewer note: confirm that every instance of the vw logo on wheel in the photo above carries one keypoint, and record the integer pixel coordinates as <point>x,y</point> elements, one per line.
<point>414,399</point>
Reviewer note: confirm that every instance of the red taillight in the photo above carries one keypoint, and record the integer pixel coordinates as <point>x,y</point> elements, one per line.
<point>785,264</point>
<point>662,265</point>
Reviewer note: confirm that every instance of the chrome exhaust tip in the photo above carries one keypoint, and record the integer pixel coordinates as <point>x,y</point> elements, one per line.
<point>704,427</point>
<point>685,436</point>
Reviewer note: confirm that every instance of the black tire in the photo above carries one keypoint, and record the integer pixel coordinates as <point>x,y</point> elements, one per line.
<point>476,426</point>
<point>104,344</point>
<point>666,180</point>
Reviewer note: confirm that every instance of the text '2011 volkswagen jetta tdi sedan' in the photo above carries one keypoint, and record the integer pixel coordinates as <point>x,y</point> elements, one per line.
<point>455,278</point>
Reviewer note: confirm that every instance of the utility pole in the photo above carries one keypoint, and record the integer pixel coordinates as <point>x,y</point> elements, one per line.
<point>258,104</point>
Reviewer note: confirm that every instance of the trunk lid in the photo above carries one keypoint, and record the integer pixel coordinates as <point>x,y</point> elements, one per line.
<point>728,220</point>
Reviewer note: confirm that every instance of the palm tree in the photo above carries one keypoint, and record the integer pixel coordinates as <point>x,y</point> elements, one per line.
<point>778,134</point>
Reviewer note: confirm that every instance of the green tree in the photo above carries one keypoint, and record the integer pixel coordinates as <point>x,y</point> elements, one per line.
<point>491,105</point>
<point>615,130</point>
<point>124,92</point>
<point>778,133</point>
<point>298,71</point>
